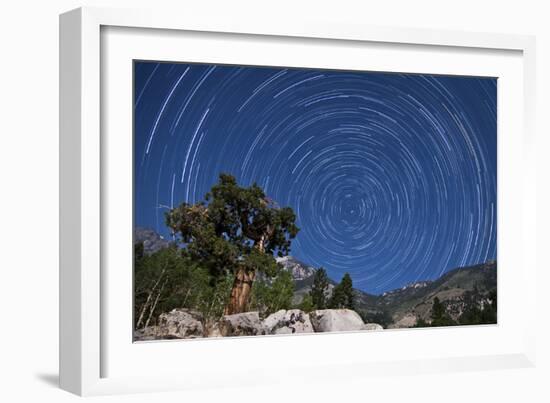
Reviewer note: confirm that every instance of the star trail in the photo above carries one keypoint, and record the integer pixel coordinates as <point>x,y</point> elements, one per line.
<point>392,176</point>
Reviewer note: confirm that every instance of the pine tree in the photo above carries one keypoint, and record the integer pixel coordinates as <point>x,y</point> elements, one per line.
<point>437,309</point>
<point>347,287</point>
<point>319,289</point>
<point>342,295</point>
<point>307,304</point>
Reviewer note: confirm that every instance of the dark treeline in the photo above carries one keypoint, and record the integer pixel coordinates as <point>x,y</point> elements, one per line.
<point>478,312</point>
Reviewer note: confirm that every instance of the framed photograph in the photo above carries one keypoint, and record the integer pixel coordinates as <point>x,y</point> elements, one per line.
<point>237,196</point>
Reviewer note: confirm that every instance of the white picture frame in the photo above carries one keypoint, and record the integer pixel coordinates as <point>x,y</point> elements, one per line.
<point>89,351</point>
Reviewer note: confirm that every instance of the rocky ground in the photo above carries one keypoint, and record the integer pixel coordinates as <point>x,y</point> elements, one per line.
<point>186,324</point>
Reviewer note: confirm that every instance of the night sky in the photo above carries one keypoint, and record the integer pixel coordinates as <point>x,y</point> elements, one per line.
<point>392,176</point>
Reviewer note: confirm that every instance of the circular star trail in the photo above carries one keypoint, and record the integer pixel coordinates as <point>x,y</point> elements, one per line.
<point>392,176</point>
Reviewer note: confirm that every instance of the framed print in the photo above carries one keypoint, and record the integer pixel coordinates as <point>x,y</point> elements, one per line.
<point>385,184</point>
<point>232,196</point>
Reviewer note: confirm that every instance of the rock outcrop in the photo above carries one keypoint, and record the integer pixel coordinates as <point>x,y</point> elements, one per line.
<point>187,324</point>
<point>409,320</point>
<point>298,270</point>
<point>372,326</point>
<point>288,322</point>
<point>336,320</point>
<point>147,334</point>
<point>176,324</point>
<point>180,324</point>
<point>241,324</point>
<point>212,329</point>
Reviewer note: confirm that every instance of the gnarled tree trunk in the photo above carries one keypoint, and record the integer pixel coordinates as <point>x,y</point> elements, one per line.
<point>240,293</point>
<point>242,286</point>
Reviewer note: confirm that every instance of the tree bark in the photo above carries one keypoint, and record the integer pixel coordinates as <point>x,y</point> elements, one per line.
<point>240,293</point>
<point>242,285</point>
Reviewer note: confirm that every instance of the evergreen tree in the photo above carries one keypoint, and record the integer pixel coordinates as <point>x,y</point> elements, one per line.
<point>337,299</point>
<point>319,289</point>
<point>282,291</point>
<point>438,310</point>
<point>342,295</point>
<point>439,316</point>
<point>235,231</point>
<point>471,316</point>
<point>307,304</point>
<point>347,287</point>
<point>477,313</point>
<point>270,296</point>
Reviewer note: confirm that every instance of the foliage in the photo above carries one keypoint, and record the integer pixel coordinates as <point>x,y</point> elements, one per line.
<point>169,279</point>
<point>480,309</point>
<point>307,305</point>
<point>234,229</point>
<point>481,313</point>
<point>421,323</point>
<point>438,310</point>
<point>270,296</point>
<point>342,295</point>
<point>318,293</point>
<point>383,318</point>
<point>163,281</point>
<point>439,315</point>
<point>139,251</point>
<point>214,298</point>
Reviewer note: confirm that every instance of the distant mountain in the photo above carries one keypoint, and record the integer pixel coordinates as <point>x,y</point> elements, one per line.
<point>152,241</point>
<point>302,274</point>
<point>300,271</point>
<point>458,290</point>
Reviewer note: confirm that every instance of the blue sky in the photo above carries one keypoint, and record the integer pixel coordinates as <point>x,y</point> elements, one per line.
<point>392,176</point>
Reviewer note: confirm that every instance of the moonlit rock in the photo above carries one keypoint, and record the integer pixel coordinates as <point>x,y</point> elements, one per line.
<point>241,324</point>
<point>336,320</point>
<point>288,322</point>
<point>180,324</point>
<point>372,326</point>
